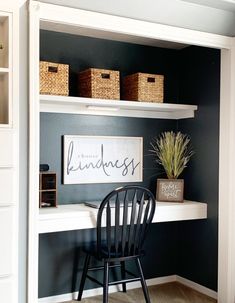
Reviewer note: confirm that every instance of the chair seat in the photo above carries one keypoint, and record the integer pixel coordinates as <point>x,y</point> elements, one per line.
<point>103,254</point>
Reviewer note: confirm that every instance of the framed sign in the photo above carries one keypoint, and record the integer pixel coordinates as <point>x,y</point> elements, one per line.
<point>170,190</point>
<point>95,159</point>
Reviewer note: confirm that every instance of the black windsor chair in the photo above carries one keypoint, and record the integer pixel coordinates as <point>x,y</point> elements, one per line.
<point>126,214</point>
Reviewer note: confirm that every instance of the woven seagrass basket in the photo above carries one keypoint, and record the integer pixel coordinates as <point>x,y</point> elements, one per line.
<point>144,87</point>
<point>99,83</point>
<point>54,78</point>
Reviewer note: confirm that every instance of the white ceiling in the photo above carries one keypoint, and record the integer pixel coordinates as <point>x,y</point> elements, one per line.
<point>228,5</point>
<point>214,16</point>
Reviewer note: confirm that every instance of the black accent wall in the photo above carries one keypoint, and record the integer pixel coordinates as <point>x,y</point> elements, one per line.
<point>84,52</point>
<point>61,258</point>
<point>198,240</point>
<point>191,76</point>
<point>54,126</point>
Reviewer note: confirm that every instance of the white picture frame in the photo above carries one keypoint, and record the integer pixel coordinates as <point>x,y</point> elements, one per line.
<point>102,159</point>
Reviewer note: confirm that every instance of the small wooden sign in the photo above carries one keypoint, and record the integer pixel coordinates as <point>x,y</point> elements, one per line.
<point>170,190</point>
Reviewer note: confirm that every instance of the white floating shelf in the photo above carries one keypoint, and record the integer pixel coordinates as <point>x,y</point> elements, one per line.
<point>89,106</point>
<point>4,70</point>
<point>78,216</point>
<point>7,125</point>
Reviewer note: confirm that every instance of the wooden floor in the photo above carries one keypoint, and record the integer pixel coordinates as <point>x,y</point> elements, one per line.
<point>165,293</point>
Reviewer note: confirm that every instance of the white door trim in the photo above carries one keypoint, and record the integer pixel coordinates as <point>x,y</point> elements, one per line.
<point>226,265</point>
<point>33,212</point>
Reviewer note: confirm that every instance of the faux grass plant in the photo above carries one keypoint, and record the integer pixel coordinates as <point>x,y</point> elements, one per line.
<point>172,151</point>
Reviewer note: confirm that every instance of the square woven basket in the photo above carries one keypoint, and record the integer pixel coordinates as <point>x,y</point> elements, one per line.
<point>54,78</point>
<point>144,87</point>
<point>99,83</point>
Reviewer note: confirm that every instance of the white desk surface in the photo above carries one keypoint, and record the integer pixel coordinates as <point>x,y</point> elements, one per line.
<point>79,216</point>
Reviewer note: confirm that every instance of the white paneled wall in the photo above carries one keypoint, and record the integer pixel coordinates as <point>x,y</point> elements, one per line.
<point>7,196</point>
<point>6,149</point>
<point>6,240</point>
<point>9,154</point>
<point>6,290</point>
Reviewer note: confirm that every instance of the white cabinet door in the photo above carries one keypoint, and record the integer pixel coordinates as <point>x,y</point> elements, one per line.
<point>6,150</point>
<point>6,240</point>
<point>7,195</point>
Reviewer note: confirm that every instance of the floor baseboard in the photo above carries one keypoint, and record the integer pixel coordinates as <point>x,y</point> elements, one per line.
<point>112,289</point>
<point>200,288</point>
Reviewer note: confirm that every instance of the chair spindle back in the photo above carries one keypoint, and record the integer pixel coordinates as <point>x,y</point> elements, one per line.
<point>126,214</point>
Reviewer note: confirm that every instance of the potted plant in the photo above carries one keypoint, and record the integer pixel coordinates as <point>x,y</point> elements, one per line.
<point>173,152</point>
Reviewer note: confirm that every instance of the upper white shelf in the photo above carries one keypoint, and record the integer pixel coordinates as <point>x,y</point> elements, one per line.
<point>88,106</point>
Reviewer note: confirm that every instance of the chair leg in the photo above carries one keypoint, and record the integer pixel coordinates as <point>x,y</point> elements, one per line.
<point>123,273</point>
<point>106,282</point>
<point>143,283</point>
<point>83,279</point>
